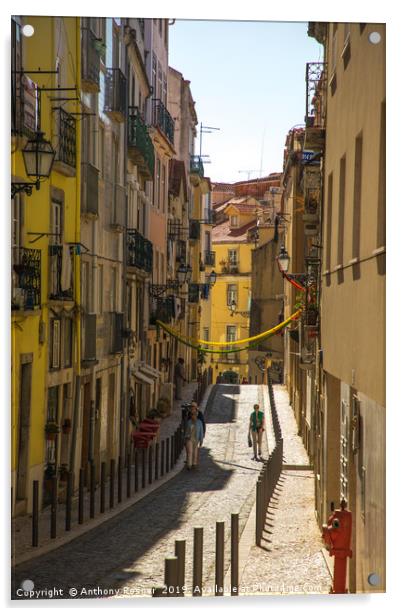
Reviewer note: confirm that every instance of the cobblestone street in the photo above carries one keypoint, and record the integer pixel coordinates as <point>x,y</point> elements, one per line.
<point>290,559</point>
<point>126,553</point>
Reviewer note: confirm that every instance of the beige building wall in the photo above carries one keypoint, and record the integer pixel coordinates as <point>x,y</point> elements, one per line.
<point>353,286</point>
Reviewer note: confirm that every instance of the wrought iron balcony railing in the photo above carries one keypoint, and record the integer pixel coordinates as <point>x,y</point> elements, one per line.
<point>162,119</point>
<point>66,151</point>
<point>61,273</point>
<point>196,166</point>
<point>229,358</point>
<point>162,309</point>
<point>89,190</point>
<point>26,278</point>
<point>316,78</point>
<point>209,258</point>
<point>193,293</point>
<point>90,61</point>
<point>140,146</point>
<point>139,251</point>
<point>115,94</point>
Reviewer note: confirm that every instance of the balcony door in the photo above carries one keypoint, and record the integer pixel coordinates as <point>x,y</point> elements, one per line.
<point>24,420</point>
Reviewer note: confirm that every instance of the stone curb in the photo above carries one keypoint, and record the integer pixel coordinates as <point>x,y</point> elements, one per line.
<point>91,524</point>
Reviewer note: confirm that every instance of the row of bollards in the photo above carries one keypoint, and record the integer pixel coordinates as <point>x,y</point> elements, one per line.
<point>265,487</point>
<point>149,465</point>
<point>175,566</point>
<point>271,470</point>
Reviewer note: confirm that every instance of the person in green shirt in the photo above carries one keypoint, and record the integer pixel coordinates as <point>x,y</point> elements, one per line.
<point>256,428</point>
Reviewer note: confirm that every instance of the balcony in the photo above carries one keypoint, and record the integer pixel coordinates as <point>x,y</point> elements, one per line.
<point>162,309</point>
<point>26,278</point>
<point>181,251</point>
<point>89,340</point>
<point>116,332</point>
<point>61,273</point>
<point>209,258</point>
<point>90,61</point>
<point>66,151</point>
<point>194,231</point>
<point>229,358</point>
<point>89,190</point>
<point>162,119</point>
<point>140,146</point>
<point>115,95</point>
<point>193,293</point>
<point>139,251</point>
<point>196,166</point>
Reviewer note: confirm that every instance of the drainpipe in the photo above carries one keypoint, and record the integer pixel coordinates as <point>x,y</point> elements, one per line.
<point>124,374</point>
<point>77,270</point>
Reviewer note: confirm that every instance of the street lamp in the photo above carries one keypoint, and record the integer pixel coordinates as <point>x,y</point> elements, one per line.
<point>232,307</point>
<point>182,274</point>
<point>283,259</point>
<point>38,156</point>
<point>212,278</point>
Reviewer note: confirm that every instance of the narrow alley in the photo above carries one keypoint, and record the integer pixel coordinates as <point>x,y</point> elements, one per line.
<point>143,535</point>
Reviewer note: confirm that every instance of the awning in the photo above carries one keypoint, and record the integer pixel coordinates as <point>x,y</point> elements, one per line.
<point>140,376</point>
<point>150,372</point>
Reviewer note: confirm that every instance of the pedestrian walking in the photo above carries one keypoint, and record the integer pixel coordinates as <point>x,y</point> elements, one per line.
<point>200,416</point>
<point>193,437</point>
<point>256,428</point>
<point>219,378</point>
<point>179,378</point>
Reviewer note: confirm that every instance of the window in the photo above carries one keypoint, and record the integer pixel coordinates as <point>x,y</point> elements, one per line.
<point>232,257</point>
<point>154,75</point>
<point>85,282</point>
<point>234,221</point>
<point>68,342</point>
<point>206,333</point>
<point>381,220</point>
<point>160,26</point>
<point>166,32</point>
<point>54,349</point>
<point>56,223</point>
<point>346,45</point>
<point>231,294</point>
<point>163,189</point>
<point>341,210</point>
<point>17,205</point>
<point>159,92</point>
<point>164,92</point>
<point>334,47</point>
<point>101,144</point>
<point>357,196</point>
<point>328,223</point>
<point>16,59</point>
<point>157,184</point>
<point>113,289</point>
<point>100,289</point>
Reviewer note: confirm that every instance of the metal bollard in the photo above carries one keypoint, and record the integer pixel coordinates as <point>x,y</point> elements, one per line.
<point>258,508</point>
<point>53,511</point>
<point>111,487</point>
<point>156,461</point>
<point>171,576</point>
<point>171,451</point>
<point>92,491</point>
<point>219,558</point>
<point>119,479</point>
<point>102,487</point>
<point>35,514</point>
<point>143,481</point>
<point>150,464</point>
<point>69,498</point>
<point>180,552</point>
<point>197,560</point>
<point>81,497</point>
<point>128,476</point>
<point>162,458</point>
<point>167,454</point>
<point>136,471</point>
<point>234,554</point>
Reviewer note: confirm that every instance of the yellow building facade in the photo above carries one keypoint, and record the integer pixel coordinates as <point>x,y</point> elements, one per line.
<point>231,295</point>
<point>45,251</point>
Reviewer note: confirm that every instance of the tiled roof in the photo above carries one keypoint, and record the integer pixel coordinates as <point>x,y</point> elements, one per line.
<point>222,233</point>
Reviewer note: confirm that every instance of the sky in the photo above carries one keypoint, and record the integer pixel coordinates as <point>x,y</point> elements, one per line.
<point>247,79</point>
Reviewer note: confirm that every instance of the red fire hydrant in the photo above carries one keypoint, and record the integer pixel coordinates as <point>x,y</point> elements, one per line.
<point>337,535</point>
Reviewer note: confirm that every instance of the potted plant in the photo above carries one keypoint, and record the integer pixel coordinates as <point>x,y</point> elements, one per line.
<point>311,314</point>
<point>51,430</point>
<point>66,427</point>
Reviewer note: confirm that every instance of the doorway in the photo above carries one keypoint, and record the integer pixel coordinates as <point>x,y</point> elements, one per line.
<point>24,420</point>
